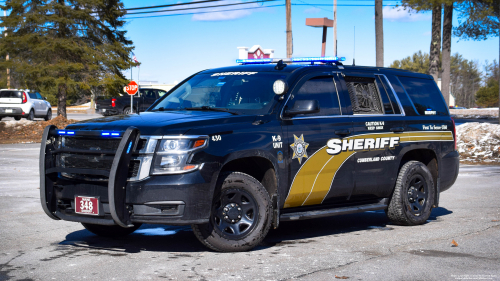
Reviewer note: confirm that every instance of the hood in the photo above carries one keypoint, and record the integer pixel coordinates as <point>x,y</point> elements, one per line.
<point>160,122</point>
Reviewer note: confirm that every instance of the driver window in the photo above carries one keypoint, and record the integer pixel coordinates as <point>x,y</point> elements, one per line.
<point>323,90</point>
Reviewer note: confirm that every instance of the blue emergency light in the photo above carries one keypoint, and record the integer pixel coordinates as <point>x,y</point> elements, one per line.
<point>291,60</point>
<point>112,134</point>
<point>63,132</point>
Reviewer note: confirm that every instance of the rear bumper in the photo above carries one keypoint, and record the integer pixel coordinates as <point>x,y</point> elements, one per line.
<point>11,111</point>
<point>449,170</point>
<point>107,111</point>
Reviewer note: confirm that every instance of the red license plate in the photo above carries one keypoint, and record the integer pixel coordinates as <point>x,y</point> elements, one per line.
<point>87,205</point>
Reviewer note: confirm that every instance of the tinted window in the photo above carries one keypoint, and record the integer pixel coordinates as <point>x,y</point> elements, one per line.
<point>10,94</point>
<point>150,94</point>
<point>323,90</point>
<point>364,95</point>
<point>33,96</point>
<point>425,96</point>
<point>39,96</point>
<point>161,93</point>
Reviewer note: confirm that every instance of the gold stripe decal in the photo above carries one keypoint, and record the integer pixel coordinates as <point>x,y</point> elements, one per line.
<point>314,179</point>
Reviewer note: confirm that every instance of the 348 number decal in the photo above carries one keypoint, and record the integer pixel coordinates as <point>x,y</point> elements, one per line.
<point>86,205</point>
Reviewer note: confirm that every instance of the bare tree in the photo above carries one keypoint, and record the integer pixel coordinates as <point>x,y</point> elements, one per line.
<point>435,41</point>
<point>379,33</point>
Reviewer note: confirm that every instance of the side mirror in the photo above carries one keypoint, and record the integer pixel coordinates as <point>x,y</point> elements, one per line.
<point>45,98</point>
<point>303,107</point>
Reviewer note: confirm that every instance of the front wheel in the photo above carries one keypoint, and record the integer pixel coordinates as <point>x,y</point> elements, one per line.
<point>110,230</point>
<point>413,197</point>
<point>241,215</point>
<point>126,110</point>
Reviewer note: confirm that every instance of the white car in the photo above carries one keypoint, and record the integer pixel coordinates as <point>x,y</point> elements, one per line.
<point>21,104</point>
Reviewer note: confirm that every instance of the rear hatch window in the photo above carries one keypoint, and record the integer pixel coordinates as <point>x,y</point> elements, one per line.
<point>425,96</point>
<point>10,94</point>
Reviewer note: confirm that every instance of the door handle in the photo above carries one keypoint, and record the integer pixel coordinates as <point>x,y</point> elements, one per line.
<point>397,129</point>
<point>342,132</point>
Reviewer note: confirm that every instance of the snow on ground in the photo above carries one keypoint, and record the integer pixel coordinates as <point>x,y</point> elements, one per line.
<point>13,123</point>
<point>479,142</point>
<point>491,113</point>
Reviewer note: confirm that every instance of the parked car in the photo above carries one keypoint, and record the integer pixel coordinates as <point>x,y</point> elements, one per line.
<point>233,151</point>
<point>24,104</point>
<point>121,104</point>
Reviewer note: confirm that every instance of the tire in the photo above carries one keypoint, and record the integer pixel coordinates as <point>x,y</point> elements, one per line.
<point>126,111</point>
<point>48,116</point>
<point>17,118</point>
<point>239,195</point>
<point>413,197</point>
<point>110,230</point>
<point>31,115</point>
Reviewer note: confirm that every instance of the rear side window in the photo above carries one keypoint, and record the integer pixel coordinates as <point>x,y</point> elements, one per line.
<point>323,90</point>
<point>10,94</point>
<point>38,96</point>
<point>365,98</point>
<point>33,96</point>
<point>425,96</point>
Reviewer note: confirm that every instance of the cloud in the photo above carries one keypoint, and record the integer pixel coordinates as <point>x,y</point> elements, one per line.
<point>215,15</point>
<point>312,10</point>
<point>401,15</point>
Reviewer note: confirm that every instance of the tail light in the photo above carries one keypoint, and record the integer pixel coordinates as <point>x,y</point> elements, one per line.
<point>113,102</point>
<point>454,133</point>
<point>25,99</point>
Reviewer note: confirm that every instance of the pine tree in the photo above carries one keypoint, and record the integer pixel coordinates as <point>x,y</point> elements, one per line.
<point>66,45</point>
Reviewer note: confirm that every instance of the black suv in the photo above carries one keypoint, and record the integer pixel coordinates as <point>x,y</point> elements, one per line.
<point>233,151</point>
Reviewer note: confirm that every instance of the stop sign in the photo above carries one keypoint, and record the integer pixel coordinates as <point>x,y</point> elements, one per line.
<point>132,88</point>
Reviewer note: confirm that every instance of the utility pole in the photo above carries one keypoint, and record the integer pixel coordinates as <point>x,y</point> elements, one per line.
<point>289,39</point>
<point>7,56</point>
<point>379,34</point>
<point>335,27</point>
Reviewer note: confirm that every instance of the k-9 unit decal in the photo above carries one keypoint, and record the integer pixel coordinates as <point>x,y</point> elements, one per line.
<point>313,181</point>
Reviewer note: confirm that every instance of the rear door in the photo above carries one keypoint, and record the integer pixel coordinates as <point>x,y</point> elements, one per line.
<point>43,105</point>
<point>149,97</point>
<point>313,171</point>
<point>378,127</point>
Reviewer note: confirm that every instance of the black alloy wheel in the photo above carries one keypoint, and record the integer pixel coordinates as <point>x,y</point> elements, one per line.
<point>417,195</point>
<point>241,215</point>
<point>413,196</point>
<point>235,213</point>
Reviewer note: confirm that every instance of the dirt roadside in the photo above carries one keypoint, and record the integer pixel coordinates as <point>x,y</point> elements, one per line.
<point>24,131</point>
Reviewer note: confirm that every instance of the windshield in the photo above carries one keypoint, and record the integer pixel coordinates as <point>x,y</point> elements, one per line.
<point>237,92</point>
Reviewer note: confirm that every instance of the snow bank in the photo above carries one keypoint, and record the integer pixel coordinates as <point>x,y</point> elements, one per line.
<point>22,122</point>
<point>479,142</point>
<point>478,113</point>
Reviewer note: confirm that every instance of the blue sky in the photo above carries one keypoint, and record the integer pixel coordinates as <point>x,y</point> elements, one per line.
<point>171,48</point>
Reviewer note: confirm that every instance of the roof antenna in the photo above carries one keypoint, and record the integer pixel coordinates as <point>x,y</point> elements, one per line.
<point>354,46</point>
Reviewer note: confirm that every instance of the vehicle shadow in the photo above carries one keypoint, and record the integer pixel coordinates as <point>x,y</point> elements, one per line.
<point>181,239</point>
<point>291,232</point>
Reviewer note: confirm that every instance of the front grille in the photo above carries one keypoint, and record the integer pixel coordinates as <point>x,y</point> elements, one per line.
<point>92,161</point>
<point>133,168</point>
<point>91,143</point>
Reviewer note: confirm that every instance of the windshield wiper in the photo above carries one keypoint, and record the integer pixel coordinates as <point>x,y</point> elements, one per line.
<point>208,108</point>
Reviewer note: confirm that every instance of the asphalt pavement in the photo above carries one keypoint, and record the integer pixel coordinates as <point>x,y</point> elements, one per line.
<point>360,246</point>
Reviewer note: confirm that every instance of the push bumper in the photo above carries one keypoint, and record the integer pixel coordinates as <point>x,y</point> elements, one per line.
<point>171,199</point>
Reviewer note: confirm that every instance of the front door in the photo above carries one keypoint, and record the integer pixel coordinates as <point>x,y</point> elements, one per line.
<point>313,172</point>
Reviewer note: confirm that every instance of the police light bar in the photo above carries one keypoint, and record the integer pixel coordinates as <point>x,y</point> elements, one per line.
<point>108,134</point>
<point>291,60</point>
<point>63,132</point>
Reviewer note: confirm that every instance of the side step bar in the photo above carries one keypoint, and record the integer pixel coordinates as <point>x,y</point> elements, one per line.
<point>334,212</point>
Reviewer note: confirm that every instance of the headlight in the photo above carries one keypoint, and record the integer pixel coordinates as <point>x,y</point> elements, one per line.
<point>173,155</point>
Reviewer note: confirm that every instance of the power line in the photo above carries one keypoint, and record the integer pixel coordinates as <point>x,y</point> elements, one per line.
<point>203,7</point>
<point>170,5</point>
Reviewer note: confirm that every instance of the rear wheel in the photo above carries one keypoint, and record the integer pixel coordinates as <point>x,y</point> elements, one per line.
<point>240,217</point>
<point>48,116</point>
<point>17,118</point>
<point>31,115</point>
<point>110,230</point>
<point>413,197</point>
<point>126,110</point>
